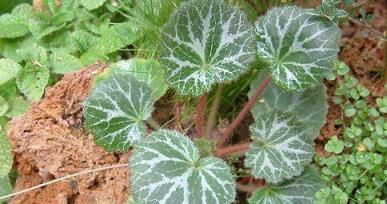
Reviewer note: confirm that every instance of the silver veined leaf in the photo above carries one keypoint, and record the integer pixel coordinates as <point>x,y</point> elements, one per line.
<point>167,169</point>
<point>281,148</point>
<point>297,190</point>
<point>300,47</point>
<point>145,70</point>
<point>310,106</point>
<point>6,159</point>
<point>115,112</point>
<point>206,42</point>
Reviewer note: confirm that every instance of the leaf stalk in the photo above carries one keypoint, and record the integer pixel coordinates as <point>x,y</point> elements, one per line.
<point>211,121</point>
<point>224,152</point>
<point>200,115</point>
<point>244,112</point>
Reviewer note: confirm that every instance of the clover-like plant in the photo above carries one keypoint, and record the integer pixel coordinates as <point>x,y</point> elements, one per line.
<point>208,42</point>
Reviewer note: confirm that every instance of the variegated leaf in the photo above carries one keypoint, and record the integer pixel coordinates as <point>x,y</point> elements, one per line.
<point>300,47</point>
<point>167,169</point>
<point>297,190</point>
<point>309,106</point>
<point>145,70</point>
<point>206,42</point>
<point>281,148</point>
<point>115,111</point>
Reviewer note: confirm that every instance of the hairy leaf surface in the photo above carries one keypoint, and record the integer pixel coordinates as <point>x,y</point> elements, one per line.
<point>206,42</point>
<point>297,190</point>
<point>32,80</point>
<point>299,46</point>
<point>148,71</point>
<point>17,107</point>
<point>309,106</point>
<point>112,39</point>
<point>63,62</point>
<point>281,148</point>
<point>5,155</point>
<point>115,111</point>
<point>3,106</point>
<point>5,186</point>
<point>8,70</point>
<point>12,26</point>
<point>92,4</point>
<point>166,168</point>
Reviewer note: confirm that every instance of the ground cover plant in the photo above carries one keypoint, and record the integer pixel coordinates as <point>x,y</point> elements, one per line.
<point>358,161</point>
<point>273,53</point>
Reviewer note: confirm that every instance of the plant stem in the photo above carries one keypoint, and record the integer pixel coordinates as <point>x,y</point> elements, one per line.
<point>244,111</point>
<point>178,111</point>
<point>63,178</point>
<point>246,188</point>
<point>200,115</point>
<point>224,152</point>
<point>153,123</point>
<point>211,121</point>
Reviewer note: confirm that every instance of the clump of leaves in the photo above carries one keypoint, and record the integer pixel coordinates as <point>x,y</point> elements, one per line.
<point>38,46</point>
<point>355,167</point>
<point>210,42</point>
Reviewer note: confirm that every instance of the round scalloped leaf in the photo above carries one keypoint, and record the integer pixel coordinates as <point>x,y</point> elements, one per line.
<point>309,106</point>
<point>206,42</point>
<point>115,111</point>
<point>146,70</point>
<point>282,147</point>
<point>166,168</point>
<point>300,47</point>
<point>5,155</point>
<point>297,190</point>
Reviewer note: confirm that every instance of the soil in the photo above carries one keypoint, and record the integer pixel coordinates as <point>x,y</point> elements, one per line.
<point>49,142</point>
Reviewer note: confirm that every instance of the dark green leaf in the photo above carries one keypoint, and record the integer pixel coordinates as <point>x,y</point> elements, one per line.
<point>115,112</point>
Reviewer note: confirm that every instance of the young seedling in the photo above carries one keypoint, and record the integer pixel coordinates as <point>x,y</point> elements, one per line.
<point>208,42</point>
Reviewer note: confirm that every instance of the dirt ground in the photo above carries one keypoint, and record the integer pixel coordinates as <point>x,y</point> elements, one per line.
<point>49,141</point>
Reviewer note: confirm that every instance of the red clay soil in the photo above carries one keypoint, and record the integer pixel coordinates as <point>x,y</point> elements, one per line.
<point>49,142</point>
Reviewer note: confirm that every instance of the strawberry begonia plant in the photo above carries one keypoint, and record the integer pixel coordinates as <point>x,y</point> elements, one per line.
<point>208,42</point>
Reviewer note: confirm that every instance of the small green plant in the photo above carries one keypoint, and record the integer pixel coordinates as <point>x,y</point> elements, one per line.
<point>210,42</point>
<point>355,167</point>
